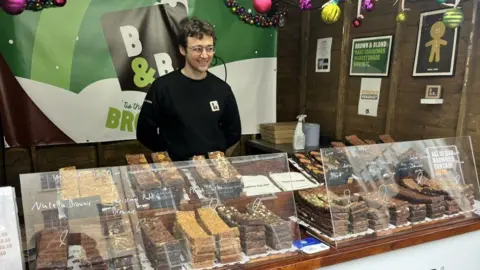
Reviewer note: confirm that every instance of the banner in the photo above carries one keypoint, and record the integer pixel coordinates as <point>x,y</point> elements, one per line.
<point>80,73</point>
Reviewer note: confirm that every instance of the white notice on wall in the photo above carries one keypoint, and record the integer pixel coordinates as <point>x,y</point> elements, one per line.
<point>11,254</point>
<point>324,51</point>
<point>369,96</point>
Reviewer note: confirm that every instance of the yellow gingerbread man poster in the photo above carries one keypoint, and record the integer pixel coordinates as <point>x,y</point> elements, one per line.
<point>436,32</point>
<point>436,49</point>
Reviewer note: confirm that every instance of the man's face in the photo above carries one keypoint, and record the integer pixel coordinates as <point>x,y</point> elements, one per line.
<point>199,53</point>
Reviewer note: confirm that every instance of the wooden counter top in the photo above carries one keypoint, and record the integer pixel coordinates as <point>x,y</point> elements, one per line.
<point>336,256</point>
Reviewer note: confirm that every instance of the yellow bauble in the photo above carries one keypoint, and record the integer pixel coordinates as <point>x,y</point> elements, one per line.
<point>401,17</point>
<point>331,13</point>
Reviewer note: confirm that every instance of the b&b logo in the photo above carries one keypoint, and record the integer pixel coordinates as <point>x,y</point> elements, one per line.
<point>143,43</point>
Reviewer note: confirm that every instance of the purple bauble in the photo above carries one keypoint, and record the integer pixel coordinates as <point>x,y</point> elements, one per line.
<point>59,3</point>
<point>14,7</point>
<point>368,5</point>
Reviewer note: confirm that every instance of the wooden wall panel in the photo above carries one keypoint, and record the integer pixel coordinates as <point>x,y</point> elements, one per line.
<point>418,121</point>
<point>288,67</point>
<point>17,161</point>
<point>322,88</point>
<point>473,107</point>
<point>379,22</point>
<point>52,158</point>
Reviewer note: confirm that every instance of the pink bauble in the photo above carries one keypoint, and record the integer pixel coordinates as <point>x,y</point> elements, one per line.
<point>59,3</point>
<point>262,6</point>
<point>14,7</point>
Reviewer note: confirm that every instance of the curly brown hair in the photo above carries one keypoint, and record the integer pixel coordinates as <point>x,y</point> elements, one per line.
<point>196,28</point>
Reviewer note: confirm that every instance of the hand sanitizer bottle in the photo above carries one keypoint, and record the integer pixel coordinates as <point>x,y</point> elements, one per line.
<point>299,136</point>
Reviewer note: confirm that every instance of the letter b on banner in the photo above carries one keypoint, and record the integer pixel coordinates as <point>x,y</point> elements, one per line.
<point>141,44</point>
<point>131,39</point>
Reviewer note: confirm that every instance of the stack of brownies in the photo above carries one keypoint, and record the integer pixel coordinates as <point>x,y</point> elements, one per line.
<point>93,253</point>
<point>358,217</point>
<point>418,212</point>
<point>412,192</point>
<point>227,239</point>
<point>161,248</point>
<point>169,175</point>
<point>313,167</point>
<point>399,211</point>
<point>199,246</point>
<point>230,184</point>
<point>458,197</point>
<point>331,219</point>
<point>278,232</point>
<point>52,253</point>
<point>206,176</point>
<point>121,242</point>
<point>68,183</point>
<point>252,229</point>
<point>357,210</point>
<point>148,189</point>
<point>378,214</point>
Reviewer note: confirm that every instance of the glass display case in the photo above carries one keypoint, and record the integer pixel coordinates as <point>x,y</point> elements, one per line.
<point>207,212</point>
<point>382,190</point>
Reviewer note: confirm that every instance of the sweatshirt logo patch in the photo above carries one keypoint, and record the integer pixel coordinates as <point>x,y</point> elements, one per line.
<point>214,106</point>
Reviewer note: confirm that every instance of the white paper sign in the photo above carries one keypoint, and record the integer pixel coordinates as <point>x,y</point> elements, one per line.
<point>11,254</point>
<point>324,51</point>
<point>369,96</point>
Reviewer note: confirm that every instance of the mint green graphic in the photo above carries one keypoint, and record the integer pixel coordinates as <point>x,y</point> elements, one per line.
<point>67,48</point>
<point>53,66</point>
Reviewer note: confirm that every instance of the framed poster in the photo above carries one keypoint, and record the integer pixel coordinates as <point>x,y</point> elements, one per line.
<point>371,56</point>
<point>433,92</point>
<point>436,46</point>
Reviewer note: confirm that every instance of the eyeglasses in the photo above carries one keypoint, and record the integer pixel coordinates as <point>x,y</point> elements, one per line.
<point>199,49</point>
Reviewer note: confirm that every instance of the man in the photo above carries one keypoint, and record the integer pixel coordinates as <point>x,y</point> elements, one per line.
<point>190,111</point>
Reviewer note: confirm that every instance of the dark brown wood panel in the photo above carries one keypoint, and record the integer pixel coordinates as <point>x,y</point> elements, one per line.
<point>379,22</point>
<point>322,88</point>
<point>288,67</point>
<point>17,161</point>
<point>52,158</point>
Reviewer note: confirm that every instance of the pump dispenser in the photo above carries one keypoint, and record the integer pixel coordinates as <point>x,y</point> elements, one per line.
<point>299,136</point>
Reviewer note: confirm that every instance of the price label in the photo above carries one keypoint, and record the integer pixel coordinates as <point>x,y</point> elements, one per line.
<point>63,236</point>
<point>214,203</point>
<point>420,177</point>
<point>256,204</point>
<point>140,224</point>
<point>457,179</point>
<point>382,193</point>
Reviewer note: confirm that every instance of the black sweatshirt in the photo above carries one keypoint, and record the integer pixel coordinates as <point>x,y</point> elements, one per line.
<point>189,117</point>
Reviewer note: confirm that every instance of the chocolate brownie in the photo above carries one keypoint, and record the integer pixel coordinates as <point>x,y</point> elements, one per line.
<point>255,243</point>
<point>416,219</point>
<point>254,251</point>
<point>399,222</point>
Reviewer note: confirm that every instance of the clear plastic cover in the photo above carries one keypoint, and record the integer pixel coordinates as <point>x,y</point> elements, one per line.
<point>374,191</point>
<point>211,211</point>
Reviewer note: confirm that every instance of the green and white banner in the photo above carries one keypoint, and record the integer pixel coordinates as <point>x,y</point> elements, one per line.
<point>88,65</point>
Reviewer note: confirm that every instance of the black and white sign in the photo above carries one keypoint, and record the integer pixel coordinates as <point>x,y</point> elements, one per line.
<point>436,46</point>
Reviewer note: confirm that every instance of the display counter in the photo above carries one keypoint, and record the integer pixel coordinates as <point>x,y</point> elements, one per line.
<point>251,212</point>
<point>412,245</point>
